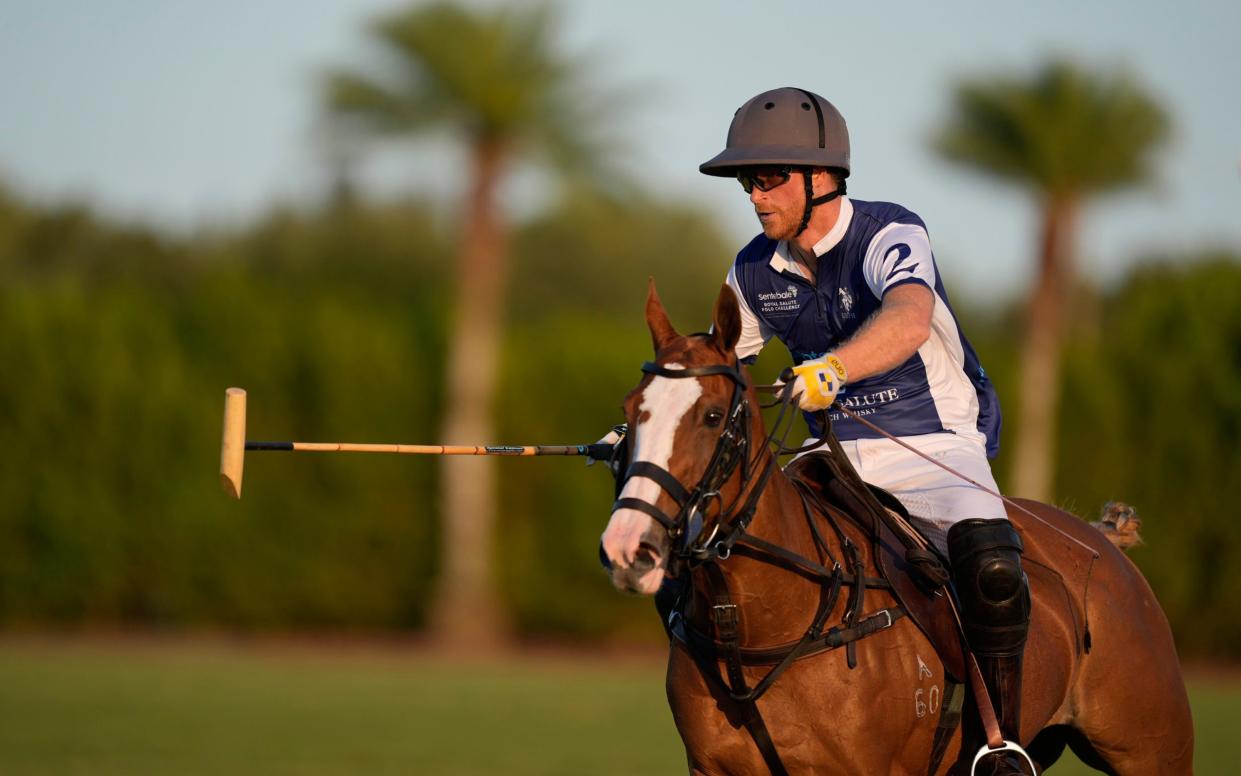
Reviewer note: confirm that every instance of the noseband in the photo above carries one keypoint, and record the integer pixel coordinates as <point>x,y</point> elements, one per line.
<point>731,451</point>
<point>722,641</point>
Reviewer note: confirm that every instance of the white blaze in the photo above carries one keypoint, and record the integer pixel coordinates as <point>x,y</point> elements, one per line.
<point>664,403</point>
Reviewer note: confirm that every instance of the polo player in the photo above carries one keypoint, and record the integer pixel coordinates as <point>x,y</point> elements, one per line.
<point>853,291</point>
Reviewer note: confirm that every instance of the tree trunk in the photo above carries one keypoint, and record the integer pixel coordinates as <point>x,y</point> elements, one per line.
<point>1034,461</point>
<point>465,611</point>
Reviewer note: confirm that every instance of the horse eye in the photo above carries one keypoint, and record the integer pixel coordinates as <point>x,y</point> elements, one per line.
<point>713,418</point>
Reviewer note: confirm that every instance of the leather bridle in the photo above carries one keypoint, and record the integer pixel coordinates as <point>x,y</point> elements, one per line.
<point>722,643</point>
<point>732,450</point>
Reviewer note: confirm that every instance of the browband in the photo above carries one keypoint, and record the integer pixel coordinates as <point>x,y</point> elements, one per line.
<point>730,371</point>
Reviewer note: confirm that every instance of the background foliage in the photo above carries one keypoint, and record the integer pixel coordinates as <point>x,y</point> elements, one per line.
<point>117,343</point>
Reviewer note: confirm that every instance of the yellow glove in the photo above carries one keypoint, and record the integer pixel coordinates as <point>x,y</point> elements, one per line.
<point>819,381</point>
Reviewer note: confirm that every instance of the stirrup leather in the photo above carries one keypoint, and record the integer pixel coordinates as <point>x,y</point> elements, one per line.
<point>1008,746</point>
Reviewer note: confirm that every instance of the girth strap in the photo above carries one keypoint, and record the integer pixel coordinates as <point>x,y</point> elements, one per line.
<point>949,719</point>
<point>833,638</point>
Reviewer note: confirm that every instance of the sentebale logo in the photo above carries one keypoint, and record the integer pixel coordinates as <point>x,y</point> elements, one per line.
<point>788,293</point>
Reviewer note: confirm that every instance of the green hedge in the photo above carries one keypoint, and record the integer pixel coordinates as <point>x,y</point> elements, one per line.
<point>117,345</point>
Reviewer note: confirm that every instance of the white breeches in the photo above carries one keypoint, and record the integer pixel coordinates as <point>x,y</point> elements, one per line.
<point>935,498</point>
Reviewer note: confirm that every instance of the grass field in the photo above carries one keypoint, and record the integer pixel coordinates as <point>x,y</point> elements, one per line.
<point>211,707</point>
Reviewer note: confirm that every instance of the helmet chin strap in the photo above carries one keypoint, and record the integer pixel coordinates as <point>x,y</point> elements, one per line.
<point>811,200</point>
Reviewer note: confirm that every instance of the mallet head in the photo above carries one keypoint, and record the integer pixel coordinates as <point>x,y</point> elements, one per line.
<point>233,445</point>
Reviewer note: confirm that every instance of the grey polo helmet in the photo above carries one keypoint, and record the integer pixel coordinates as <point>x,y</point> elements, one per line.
<point>786,126</point>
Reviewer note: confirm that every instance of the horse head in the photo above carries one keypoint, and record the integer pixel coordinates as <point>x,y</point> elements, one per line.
<point>689,425</point>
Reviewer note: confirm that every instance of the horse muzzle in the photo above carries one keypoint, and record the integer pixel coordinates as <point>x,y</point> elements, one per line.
<point>635,553</point>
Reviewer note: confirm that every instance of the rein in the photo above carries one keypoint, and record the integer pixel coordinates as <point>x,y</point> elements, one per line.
<point>728,534</point>
<point>1094,554</point>
<point>731,450</point>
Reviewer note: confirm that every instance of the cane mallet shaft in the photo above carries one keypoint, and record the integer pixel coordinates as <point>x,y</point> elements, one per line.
<point>234,446</point>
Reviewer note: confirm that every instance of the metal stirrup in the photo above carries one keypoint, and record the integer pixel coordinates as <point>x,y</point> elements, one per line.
<point>1008,746</point>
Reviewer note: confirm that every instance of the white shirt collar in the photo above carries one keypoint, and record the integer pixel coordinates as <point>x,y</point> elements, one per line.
<point>780,260</point>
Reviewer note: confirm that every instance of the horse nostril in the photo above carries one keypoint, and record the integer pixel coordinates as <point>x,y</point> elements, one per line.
<point>604,560</point>
<point>646,558</point>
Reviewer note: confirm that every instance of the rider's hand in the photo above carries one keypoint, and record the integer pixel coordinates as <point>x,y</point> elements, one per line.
<point>613,438</point>
<point>819,381</point>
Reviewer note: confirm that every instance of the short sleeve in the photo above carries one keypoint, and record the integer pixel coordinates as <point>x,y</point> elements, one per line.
<point>754,334</point>
<point>899,254</point>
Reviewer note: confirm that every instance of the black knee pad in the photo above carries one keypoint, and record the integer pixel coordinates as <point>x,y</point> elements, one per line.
<point>986,566</point>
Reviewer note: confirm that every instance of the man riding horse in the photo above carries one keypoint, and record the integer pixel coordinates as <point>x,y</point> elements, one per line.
<point>852,289</point>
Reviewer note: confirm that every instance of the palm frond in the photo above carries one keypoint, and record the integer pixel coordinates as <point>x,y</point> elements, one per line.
<point>356,99</point>
<point>1063,132</point>
<point>493,75</point>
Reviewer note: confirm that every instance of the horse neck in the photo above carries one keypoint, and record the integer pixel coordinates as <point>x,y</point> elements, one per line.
<point>775,603</point>
<point>780,517</point>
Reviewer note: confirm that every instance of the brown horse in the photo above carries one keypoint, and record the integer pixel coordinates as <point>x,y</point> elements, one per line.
<point>1101,671</point>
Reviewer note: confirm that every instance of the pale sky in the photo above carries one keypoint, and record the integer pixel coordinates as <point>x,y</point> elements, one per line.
<point>186,114</point>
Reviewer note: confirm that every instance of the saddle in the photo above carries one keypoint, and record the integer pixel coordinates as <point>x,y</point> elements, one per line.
<point>837,487</point>
<point>910,568</point>
<point>929,606</point>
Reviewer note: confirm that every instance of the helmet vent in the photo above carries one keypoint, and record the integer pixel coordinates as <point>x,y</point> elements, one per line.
<point>769,105</point>
<point>805,106</point>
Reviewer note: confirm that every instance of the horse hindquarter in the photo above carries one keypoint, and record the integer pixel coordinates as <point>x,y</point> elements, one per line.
<point>1125,695</point>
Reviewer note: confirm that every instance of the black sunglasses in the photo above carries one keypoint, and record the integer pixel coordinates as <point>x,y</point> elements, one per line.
<point>763,178</point>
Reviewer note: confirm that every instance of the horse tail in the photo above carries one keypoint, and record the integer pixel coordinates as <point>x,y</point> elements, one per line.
<point>1119,522</point>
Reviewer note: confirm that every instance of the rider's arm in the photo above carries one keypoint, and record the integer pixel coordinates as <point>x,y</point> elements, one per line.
<point>899,269</point>
<point>892,334</point>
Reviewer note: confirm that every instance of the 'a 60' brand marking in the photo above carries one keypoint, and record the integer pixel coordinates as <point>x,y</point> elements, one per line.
<point>926,701</point>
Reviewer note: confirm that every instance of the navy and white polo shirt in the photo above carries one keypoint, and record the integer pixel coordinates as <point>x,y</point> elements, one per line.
<point>873,248</point>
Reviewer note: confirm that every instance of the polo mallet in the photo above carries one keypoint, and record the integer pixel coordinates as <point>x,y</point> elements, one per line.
<point>234,445</point>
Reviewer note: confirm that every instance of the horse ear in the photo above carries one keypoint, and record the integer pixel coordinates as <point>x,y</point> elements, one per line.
<point>657,320</point>
<point>727,316</point>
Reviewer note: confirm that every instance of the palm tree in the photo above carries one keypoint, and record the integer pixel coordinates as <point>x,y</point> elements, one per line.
<point>493,78</point>
<point>1064,135</point>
